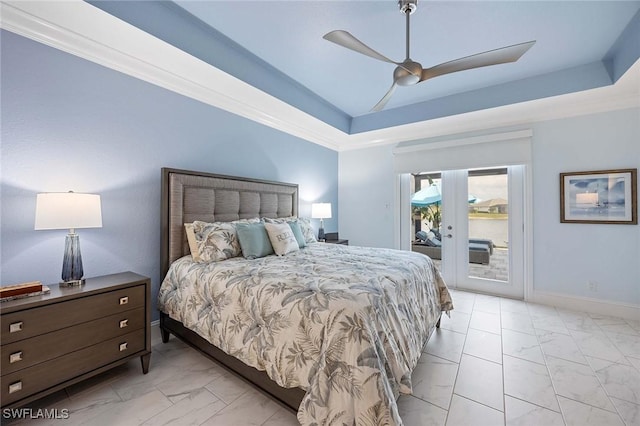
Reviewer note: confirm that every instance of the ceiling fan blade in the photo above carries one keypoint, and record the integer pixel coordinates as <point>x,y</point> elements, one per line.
<point>385,98</point>
<point>345,39</point>
<point>502,55</point>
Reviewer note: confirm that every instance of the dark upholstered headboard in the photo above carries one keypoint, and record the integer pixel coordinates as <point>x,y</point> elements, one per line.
<point>189,196</point>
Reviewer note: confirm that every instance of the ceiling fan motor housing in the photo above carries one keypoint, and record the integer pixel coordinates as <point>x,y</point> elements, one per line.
<point>408,74</point>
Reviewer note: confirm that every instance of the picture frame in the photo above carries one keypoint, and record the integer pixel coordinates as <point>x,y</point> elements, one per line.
<point>601,196</point>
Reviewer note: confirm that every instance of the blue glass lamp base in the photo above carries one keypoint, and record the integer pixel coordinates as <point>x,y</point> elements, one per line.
<point>321,231</point>
<point>73,283</point>
<point>72,271</point>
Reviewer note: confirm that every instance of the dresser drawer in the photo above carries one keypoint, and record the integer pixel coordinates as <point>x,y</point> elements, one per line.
<point>23,383</point>
<point>35,321</point>
<point>28,352</point>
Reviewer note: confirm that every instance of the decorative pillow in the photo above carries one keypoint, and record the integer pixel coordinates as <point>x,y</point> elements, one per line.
<point>254,240</point>
<point>282,238</point>
<point>305,226</point>
<point>191,238</point>
<point>252,220</point>
<point>212,241</point>
<point>307,231</point>
<point>279,219</point>
<point>297,232</point>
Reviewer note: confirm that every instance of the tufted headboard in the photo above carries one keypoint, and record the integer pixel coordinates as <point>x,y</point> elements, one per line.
<point>189,196</point>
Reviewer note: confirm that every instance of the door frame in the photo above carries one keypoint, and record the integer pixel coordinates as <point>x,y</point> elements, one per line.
<point>403,224</point>
<point>455,252</point>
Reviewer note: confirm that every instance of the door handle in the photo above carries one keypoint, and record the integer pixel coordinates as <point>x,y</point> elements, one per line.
<point>449,236</point>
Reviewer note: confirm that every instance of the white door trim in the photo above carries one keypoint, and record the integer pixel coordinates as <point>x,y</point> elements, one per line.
<point>527,249</point>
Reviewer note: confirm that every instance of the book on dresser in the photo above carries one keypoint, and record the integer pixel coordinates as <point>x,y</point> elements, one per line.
<point>103,323</point>
<point>31,288</point>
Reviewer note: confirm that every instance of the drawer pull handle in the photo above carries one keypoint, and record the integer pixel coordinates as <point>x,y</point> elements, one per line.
<point>123,346</point>
<point>15,357</point>
<point>124,300</point>
<point>124,323</point>
<point>15,327</point>
<point>15,387</point>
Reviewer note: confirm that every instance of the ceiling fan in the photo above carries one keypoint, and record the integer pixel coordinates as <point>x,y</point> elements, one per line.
<point>409,72</point>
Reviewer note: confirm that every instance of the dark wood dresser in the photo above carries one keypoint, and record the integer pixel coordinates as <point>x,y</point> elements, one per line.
<point>51,341</point>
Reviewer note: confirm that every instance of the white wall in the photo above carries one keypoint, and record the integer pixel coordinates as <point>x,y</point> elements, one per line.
<point>565,256</point>
<point>568,256</point>
<point>367,182</point>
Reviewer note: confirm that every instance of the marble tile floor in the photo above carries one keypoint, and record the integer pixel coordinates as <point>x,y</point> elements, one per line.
<point>495,361</point>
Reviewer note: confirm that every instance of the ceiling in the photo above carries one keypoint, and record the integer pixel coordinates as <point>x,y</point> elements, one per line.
<point>576,41</point>
<point>288,36</point>
<point>323,92</point>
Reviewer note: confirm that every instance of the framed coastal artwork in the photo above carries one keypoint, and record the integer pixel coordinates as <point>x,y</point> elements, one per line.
<point>603,196</point>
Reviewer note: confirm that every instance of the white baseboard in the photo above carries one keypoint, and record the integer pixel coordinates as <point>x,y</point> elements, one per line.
<point>586,304</point>
<point>155,323</point>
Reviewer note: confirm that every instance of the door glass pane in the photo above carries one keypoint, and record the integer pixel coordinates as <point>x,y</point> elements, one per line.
<point>426,206</point>
<point>488,218</point>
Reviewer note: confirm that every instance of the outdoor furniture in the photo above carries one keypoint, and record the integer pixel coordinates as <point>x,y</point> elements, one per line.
<point>480,250</point>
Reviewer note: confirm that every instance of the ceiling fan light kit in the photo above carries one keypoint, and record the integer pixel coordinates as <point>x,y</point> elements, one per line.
<point>409,72</point>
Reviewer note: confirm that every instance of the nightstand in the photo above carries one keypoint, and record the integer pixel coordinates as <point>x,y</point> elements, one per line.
<point>333,238</point>
<point>338,241</point>
<point>51,341</point>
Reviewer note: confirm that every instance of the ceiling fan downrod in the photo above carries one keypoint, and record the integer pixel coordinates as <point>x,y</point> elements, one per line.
<point>407,7</point>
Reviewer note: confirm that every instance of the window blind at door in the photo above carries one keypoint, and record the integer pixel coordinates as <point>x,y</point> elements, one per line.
<point>475,152</point>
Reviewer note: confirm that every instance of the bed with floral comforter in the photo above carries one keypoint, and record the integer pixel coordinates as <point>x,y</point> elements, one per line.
<point>346,324</point>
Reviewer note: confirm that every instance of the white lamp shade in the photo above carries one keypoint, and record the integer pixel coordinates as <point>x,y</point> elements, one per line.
<point>68,210</point>
<point>321,210</point>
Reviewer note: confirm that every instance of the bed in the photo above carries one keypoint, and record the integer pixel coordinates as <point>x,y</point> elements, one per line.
<point>331,331</point>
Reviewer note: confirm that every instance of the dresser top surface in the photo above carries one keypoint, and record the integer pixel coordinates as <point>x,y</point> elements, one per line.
<point>94,285</point>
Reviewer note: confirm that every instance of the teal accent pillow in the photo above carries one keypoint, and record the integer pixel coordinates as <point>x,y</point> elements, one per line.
<point>254,240</point>
<point>297,232</point>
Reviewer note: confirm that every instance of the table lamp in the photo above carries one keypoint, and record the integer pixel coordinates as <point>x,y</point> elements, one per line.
<point>321,211</point>
<point>69,210</point>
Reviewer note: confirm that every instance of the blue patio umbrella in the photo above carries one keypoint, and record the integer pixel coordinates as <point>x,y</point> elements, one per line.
<point>431,195</point>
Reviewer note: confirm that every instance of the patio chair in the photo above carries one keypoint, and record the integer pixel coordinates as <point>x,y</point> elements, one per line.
<point>480,250</point>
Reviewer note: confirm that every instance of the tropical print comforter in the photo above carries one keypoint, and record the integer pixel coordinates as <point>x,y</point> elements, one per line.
<point>346,324</point>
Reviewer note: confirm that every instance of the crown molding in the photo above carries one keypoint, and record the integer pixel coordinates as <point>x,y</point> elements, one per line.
<point>473,140</point>
<point>83,30</point>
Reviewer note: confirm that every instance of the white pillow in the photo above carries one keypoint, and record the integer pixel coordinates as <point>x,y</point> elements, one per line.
<point>282,239</point>
<point>193,244</point>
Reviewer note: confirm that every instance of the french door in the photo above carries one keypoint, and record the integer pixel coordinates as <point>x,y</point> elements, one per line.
<point>482,230</point>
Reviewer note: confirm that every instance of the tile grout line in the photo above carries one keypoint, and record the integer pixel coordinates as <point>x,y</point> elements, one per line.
<point>455,381</point>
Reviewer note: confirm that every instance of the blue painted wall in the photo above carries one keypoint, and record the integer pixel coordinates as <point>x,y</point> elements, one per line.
<point>69,124</point>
